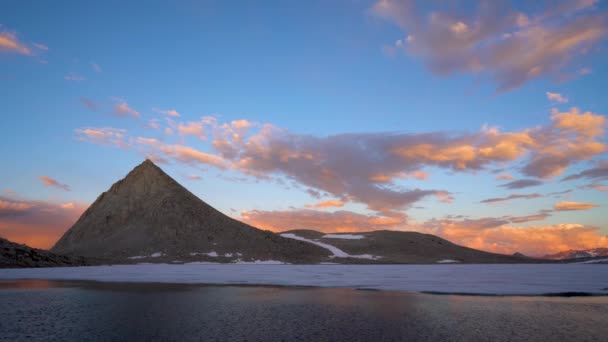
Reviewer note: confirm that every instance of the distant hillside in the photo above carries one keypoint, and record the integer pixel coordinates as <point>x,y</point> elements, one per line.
<point>402,247</point>
<point>574,254</point>
<point>17,255</point>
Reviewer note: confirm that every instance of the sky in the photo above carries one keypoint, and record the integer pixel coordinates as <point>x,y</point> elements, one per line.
<point>481,122</point>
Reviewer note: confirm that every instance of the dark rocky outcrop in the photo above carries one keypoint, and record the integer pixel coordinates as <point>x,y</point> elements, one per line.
<point>18,255</point>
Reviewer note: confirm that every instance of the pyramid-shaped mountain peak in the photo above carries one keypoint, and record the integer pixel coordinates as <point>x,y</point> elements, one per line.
<point>148,213</point>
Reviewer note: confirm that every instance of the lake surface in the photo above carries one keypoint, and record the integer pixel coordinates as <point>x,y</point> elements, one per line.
<point>46,310</point>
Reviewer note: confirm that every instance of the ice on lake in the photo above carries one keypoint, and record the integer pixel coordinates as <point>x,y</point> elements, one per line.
<point>472,279</point>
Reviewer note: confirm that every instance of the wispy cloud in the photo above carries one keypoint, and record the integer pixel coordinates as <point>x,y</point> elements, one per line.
<point>598,172</point>
<point>169,112</point>
<point>556,97</point>
<point>521,183</point>
<point>40,46</point>
<point>511,197</point>
<point>509,46</point>
<point>326,204</point>
<point>10,43</point>
<point>96,67</point>
<point>103,136</point>
<point>48,181</point>
<point>88,103</point>
<point>74,77</point>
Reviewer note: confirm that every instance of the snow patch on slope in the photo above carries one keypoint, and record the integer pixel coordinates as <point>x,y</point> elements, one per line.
<point>337,252</point>
<point>343,236</point>
<point>595,261</point>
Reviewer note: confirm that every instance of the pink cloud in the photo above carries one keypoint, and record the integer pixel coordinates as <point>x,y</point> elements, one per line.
<point>169,112</point>
<point>48,181</point>
<point>191,128</point>
<point>496,41</point>
<point>103,136</point>
<point>370,168</point>
<point>122,108</point>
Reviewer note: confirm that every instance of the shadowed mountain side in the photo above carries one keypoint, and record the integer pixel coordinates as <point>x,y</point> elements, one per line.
<point>18,255</point>
<point>148,214</point>
<point>408,247</point>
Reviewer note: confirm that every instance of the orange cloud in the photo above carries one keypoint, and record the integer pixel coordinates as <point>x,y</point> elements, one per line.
<point>36,223</point>
<point>10,43</point>
<point>326,204</point>
<point>338,221</point>
<point>48,181</point>
<point>567,206</point>
<point>585,124</point>
<point>183,153</point>
<point>6,206</point>
<point>536,240</point>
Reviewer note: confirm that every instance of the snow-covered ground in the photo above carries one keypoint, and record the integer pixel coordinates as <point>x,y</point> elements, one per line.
<point>336,252</point>
<point>344,236</point>
<point>473,279</point>
<point>594,261</point>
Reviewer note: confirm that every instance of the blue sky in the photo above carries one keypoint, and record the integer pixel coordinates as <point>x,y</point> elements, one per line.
<point>314,70</point>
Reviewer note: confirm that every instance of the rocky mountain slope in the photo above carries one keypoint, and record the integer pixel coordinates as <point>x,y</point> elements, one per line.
<point>149,217</point>
<point>18,255</point>
<point>400,247</point>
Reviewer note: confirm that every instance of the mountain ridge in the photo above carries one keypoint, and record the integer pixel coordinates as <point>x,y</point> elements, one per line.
<point>147,216</point>
<point>147,213</point>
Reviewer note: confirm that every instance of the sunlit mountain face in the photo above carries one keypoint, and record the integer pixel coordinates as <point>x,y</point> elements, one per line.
<point>484,124</point>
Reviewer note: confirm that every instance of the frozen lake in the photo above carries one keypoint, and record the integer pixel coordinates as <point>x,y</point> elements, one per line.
<point>462,279</point>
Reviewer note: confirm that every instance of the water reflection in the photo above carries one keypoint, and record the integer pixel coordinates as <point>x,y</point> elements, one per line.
<point>132,311</point>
